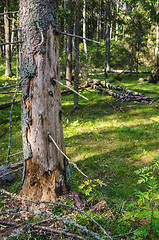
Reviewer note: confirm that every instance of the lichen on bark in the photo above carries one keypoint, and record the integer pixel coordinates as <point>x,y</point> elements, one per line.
<point>46,170</point>
<point>34,15</point>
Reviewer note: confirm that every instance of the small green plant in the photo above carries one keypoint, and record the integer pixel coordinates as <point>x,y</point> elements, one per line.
<point>148,199</point>
<point>89,188</point>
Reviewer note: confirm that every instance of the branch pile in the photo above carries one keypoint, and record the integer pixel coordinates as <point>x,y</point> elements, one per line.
<point>124,95</point>
<point>48,222</point>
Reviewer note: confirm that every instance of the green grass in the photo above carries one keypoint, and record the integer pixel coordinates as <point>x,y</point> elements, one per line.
<point>105,143</point>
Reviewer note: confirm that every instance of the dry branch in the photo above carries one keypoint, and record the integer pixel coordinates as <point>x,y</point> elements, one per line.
<point>10,12</point>
<point>125,95</point>
<point>10,43</point>
<point>53,230</point>
<point>9,86</point>
<point>77,36</point>
<point>5,105</point>
<point>2,191</point>
<point>8,92</point>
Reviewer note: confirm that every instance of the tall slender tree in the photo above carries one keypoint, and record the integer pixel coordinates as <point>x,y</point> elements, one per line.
<point>69,44</point>
<point>157,36</point>
<point>99,25</point>
<point>8,71</point>
<point>107,36</point>
<point>77,20</point>
<point>84,27</point>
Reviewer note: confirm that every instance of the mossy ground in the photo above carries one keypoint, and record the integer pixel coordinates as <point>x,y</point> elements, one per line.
<point>105,143</point>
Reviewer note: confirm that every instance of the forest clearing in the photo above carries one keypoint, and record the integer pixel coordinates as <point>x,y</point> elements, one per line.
<point>79,135</point>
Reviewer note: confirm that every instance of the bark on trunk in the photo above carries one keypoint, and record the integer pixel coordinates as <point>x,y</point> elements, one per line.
<point>69,47</point>
<point>107,42</point>
<point>12,34</point>
<point>84,27</point>
<point>1,50</point>
<point>157,38</point>
<point>76,105</point>
<point>46,168</point>
<point>99,27</point>
<point>8,71</point>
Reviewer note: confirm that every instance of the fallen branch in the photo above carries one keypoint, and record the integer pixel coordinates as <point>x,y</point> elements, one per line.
<point>8,92</point>
<point>44,228</point>
<point>10,43</point>
<point>11,110</point>
<point>10,224</point>
<point>2,191</point>
<point>49,229</point>
<point>16,165</point>
<point>9,86</point>
<point>6,105</point>
<point>126,95</point>
<point>77,36</point>
<point>55,80</point>
<point>66,92</point>
<point>66,156</point>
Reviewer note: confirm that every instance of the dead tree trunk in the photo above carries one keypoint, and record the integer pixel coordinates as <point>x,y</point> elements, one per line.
<point>46,168</point>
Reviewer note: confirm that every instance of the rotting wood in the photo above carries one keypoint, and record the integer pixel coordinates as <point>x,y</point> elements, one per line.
<point>78,203</point>
<point>16,165</point>
<point>45,168</point>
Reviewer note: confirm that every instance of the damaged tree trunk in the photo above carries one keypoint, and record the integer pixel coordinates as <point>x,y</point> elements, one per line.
<point>45,167</point>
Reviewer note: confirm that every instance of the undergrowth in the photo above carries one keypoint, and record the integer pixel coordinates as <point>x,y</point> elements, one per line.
<point>117,150</point>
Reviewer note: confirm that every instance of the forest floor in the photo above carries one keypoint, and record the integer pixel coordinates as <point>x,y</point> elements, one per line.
<point>115,149</point>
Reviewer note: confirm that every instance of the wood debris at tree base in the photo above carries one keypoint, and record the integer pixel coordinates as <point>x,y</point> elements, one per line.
<point>17,218</point>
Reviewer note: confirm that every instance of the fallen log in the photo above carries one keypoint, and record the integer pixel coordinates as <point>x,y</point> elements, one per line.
<point>6,174</point>
<point>131,71</point>
<point>5,105</point>
<point>154,78</point>
<point>7,171</point>
<point>119,71</point>
<point>107,85</point>
<point>66,92</point>
<point>16,165</point>
<point>128,95</point>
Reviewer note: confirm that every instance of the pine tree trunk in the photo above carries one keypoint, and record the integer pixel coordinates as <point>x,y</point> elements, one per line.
<point>84,27</point>
<point>65,27</point>
<point>46,168</point>
<point>116,24</point>
<point>8,71</point>
<point>69,47</point>
<point>12,35</point>
<point>157,38</point>
<point>107,41</point>
<point>1,49</point>
<point>99,27</point>
<point>76,105</point>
